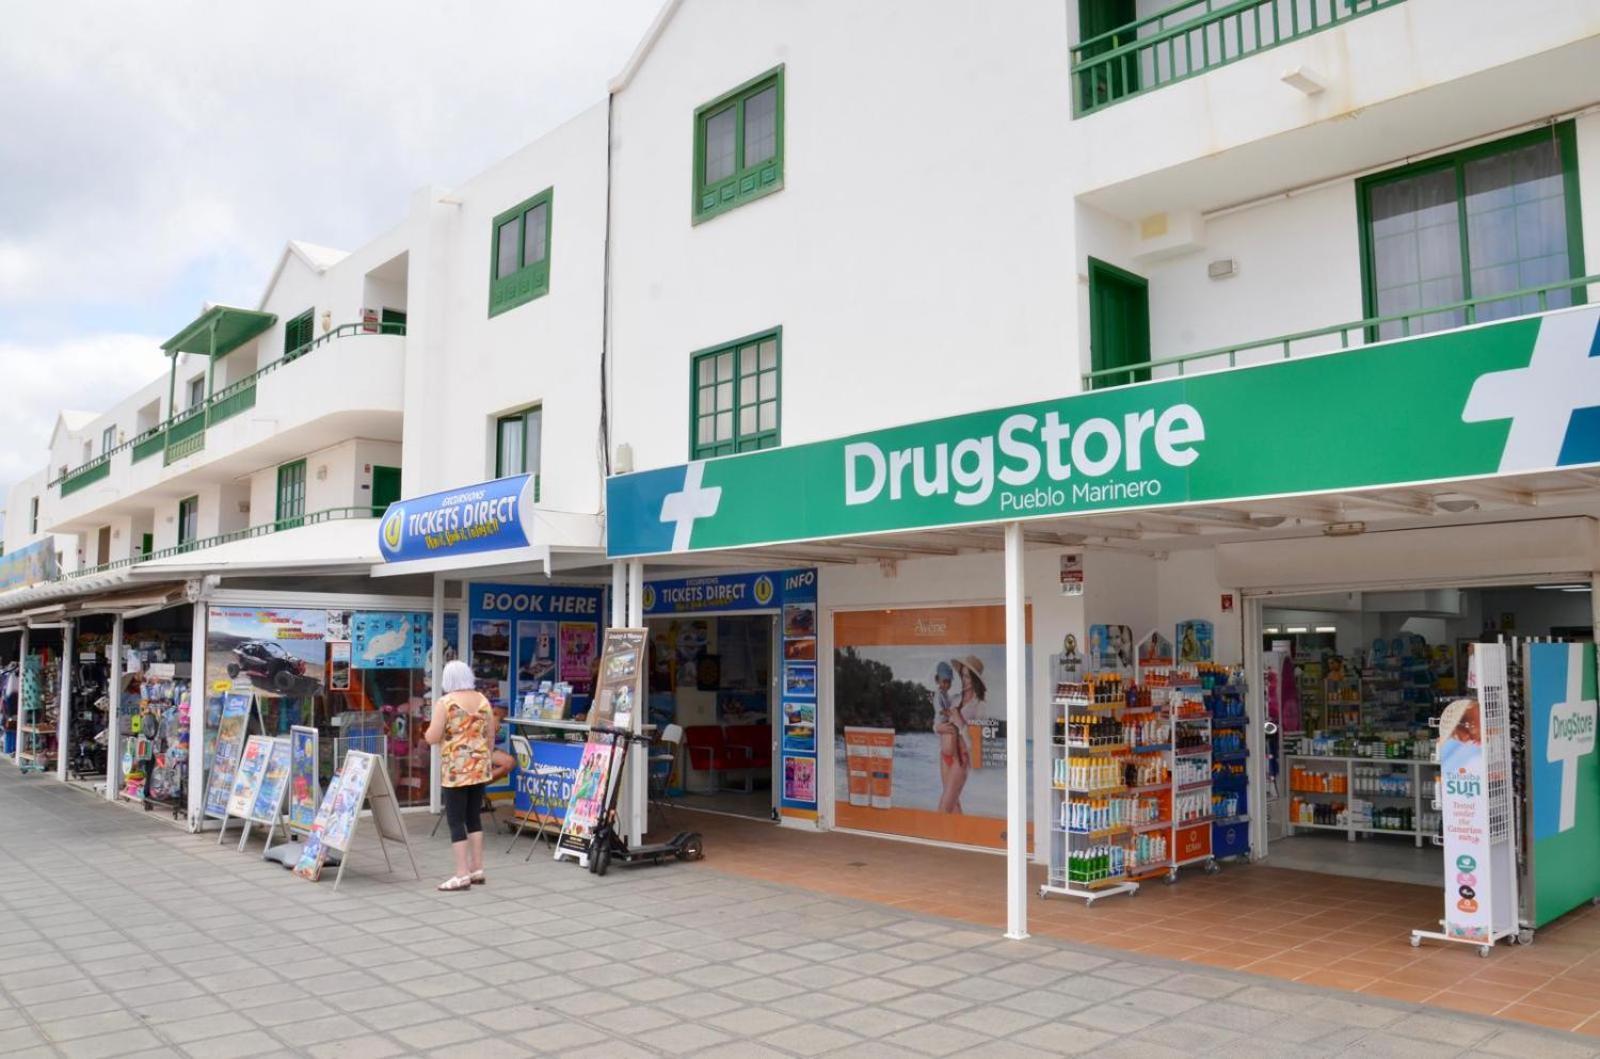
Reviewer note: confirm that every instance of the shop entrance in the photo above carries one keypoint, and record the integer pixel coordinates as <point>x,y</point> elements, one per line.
<point>1356,682</point>
<point>714,676</point>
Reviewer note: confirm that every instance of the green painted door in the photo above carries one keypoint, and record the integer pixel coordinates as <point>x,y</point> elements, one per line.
<point>385,488</point>
<point>392,322</point>
<point>147,543</point>
<point>1116,78</point>
<point>1119,323</point>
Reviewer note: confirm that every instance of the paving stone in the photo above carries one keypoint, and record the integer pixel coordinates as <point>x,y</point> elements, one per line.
<point>1458,1032</point>
<point>106,1045</point>
<point>372,1046</point>
<point>1526,1044</point>
<point>235,1045</point>
<point>995,1021</point>
<point>1045,1004</point>
<point>206,1027</point>
<point>810,1040</point>
<point>751,1021</point>
<point>875,1021</point>
<point>1061,1038</point>
<point>439,1034</point>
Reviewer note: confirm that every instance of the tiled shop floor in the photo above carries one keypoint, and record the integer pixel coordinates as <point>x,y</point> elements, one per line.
<point>1306,927</point>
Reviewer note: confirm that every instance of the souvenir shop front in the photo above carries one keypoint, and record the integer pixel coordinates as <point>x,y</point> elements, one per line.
<point>1132,524</point>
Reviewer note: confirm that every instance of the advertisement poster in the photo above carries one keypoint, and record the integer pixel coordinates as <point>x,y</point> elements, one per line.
<point>304,786</point>
<point>279,651</point>
<point>919,722</point>
<point>339,665</point>
<point>352,790</point>
<point>621,688</point>
<point>516,632</point>
<point>800,680</point>
<point>589,790</point>
<point>230,744</point>
<point>579,649</point>
<point>274,784</point>
<point>1068,665</point>
<point>1072,574</point>
<point>800,726</point>
<point>800,779</point>
<point>799,620</point>
<point>1111,648</point>
<point>1466,821</point>
<point>247,777</point>
<point>313,854</point>
<point>1196,641</point>
<point>545,783</point>
<point>1564,777</point>
<point>1155,651</point>
<point>389,640</point>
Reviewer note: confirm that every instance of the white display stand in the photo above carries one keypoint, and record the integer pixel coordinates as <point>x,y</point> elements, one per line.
<point>361,780</point>
<point>1480,817</point>
<point>1062,792</point>
<point>267,808</point>
<point>247,777</point>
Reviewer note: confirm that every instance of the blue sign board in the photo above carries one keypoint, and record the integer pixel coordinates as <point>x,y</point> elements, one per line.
<point>546,782</point>
<point>723,593</point>
<point>383,639</point>
<point>490,516</point>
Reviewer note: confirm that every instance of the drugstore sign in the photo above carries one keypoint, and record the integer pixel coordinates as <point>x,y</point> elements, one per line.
<point>486,517</point>
<point>1502,398</point>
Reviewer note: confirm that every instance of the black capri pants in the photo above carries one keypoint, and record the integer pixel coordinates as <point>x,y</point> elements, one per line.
<point>461,807</point>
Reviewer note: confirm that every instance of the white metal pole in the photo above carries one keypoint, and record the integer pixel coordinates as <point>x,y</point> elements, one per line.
<point>22,672</point>
<point>619,593</point>
<point>1594,603</point>
<point>198,694</point>
<point>1255,698</point>
<point>638,765</point>
<point>435,690</point>
<point>64,704</point>
<point>113,718</point>
<point>1016,738</point>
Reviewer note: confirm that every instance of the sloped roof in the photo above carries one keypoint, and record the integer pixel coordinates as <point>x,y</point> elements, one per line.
<point>71,420</point>
<point>646,43</point>
<point>317,258</point>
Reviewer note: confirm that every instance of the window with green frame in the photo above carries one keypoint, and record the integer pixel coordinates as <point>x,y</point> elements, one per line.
<point>734,396</point>
<point>738,146</point>
<point>188,520</point>
<point>519,253</point>
<point>516,442</point>
<point>298,332</point>
<point>1492,219</point>
<point>33,515</point>
<point>292,493</point>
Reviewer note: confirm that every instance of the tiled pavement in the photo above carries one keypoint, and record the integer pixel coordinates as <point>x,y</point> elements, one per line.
<point>122,936</point>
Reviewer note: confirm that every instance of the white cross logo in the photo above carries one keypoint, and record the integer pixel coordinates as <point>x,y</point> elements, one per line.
<point>1560,379</point>
<point>691,503</point>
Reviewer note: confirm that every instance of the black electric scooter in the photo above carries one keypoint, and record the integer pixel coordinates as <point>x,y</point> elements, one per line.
<point>606,845</point>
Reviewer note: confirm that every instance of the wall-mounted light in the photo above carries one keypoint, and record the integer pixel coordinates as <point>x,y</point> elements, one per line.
<point>327,320</point>
<point>1344,529</point>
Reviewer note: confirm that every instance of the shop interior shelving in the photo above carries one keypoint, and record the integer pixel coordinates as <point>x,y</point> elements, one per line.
<point>1191,778</point>
<point>1230,768</point>
<point>1356,779</point>
<point>1089,825</point>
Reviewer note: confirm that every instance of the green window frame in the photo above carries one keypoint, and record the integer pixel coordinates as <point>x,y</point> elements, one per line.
<point>292,493</point>
<point>736,396</point>
<point>188,520</point>
<point>108,439</point>
<point>298,333</point>
<point>519,253</point>
<point>1452,174</point>
<point>517,442</point>
<point>738,146</point>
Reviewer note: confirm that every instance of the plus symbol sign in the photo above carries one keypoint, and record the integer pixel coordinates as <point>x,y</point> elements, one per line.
<point>692,502</point>
<point>1562,377</point>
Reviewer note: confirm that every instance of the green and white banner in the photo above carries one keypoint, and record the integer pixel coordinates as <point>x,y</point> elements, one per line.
<point>1500,398</point>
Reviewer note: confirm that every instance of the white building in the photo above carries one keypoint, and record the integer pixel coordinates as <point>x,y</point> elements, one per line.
<point>786,228</point>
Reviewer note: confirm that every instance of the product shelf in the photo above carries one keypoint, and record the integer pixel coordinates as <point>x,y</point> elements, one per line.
<point>1150,788</point>
<point>1107,748</point>
<point>1197,785</point>
<point>1153,748</point>
<point>1154,825</point>
<point>1193,751</point>
<point>1227,821</point>
<point>1094,792</point>
<point>1104,832</point>
<point>1194,822</point>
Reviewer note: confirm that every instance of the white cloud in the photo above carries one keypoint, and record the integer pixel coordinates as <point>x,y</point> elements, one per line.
<point>158,155</point>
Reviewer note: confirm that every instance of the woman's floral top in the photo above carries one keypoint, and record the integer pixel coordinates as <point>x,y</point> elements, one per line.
<point>464,751</point>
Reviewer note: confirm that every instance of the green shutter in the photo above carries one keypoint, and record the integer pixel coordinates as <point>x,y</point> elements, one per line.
<point>291,494</point>
<point>756,171</point>
<point>530,278</point>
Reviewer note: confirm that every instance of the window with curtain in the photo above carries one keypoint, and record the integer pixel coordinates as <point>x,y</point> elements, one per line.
<point>1489,220</point>
<point>517,439</point>
<point>188,520</point>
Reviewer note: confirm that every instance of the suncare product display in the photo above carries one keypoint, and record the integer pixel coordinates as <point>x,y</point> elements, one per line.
<point>1191,769</point>
<point>1096,863</point>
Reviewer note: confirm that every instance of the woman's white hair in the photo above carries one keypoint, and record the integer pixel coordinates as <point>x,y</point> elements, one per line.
<point>458,677</point>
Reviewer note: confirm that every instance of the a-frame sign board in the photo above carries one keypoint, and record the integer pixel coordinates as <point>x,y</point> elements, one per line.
<point>362,780</point>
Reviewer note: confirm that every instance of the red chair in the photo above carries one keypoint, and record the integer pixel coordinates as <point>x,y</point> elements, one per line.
<point>709,751</point>
<point>755,740</point>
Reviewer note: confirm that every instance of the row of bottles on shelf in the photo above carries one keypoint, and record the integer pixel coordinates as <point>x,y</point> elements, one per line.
<point>1100,814</point>
<point>1227,742</point>
<point>1146,770</point>
<point>1192,739</point>
<point>1096,863</point>
<point>1130,770</point>
<point>1088,730</point>
<point>1363,815</point>
<point>1324,744</point>
<point>1233,772</point>
<point>1191,807</point>
<point>1308,811</point>
<point>1088,774</point>
<point>1098,689</point>
<point>1314,782</point>
<point>1224,804</point>
<point>1377,781</point>
<point>1149,848</point>
<point>1189,770</point>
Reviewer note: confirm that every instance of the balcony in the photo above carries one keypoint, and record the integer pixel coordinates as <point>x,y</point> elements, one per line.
<point>1189,38</point>
<point>357,392</point>
<point>1351,335</point>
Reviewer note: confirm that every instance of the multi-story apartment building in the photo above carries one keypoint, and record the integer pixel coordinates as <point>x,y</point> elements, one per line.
<point>1263,248</point>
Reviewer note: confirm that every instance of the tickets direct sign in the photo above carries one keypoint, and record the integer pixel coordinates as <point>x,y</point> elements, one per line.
<point>1500,398</point>
<point>490,516</point>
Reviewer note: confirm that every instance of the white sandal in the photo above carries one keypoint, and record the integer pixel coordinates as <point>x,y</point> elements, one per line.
<point>477,879</point>
<point>456,882</point>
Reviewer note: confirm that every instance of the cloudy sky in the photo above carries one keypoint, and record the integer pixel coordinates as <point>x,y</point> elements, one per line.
<point>158,155</point>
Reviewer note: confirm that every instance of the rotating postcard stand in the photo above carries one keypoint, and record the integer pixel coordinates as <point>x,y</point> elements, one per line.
<point>1479,807</point>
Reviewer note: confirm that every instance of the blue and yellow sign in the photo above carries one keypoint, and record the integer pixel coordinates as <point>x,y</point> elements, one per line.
<point>489,516</point>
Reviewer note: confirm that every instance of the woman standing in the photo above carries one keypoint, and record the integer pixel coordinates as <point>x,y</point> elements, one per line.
<point>463,726</point>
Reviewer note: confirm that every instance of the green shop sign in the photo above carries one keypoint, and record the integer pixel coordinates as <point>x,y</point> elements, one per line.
<point>1502,398</point>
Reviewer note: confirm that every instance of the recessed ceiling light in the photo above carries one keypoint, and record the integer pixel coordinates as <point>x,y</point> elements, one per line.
<point>1297,628</point>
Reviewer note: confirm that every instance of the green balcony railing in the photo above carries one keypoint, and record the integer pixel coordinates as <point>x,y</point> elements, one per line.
<point>1189,38</point>
<point>91,472</point>
<point>1408,324</point>
<point>332,514</point>
<point>184,434</point>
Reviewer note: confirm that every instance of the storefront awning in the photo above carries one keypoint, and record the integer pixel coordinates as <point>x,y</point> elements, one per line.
<point>324,546</point>
<point>132,603</point>
<point>219,331</point>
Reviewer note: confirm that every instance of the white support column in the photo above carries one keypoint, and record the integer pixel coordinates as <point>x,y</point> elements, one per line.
<point>435,689</point>
<point>1016,738</point>
<point>638,759</point>
<point>1255,709</point>
<point>619,593</point>
<point>1594,603</point>
<point>22,670</point>
<point>198,694</point>
<point>113,720</point>
<point>64,703</point>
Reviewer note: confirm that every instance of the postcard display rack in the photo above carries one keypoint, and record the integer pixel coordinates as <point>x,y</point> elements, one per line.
<point>1131,784</point>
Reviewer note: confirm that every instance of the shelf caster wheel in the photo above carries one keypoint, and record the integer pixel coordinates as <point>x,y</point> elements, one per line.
<point>1212,867</point>
<point>1416,942</point>
<point>1043,893</point>
<point>1169,878</point>
<point>1483,951</point>
<point>1524,937</point>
